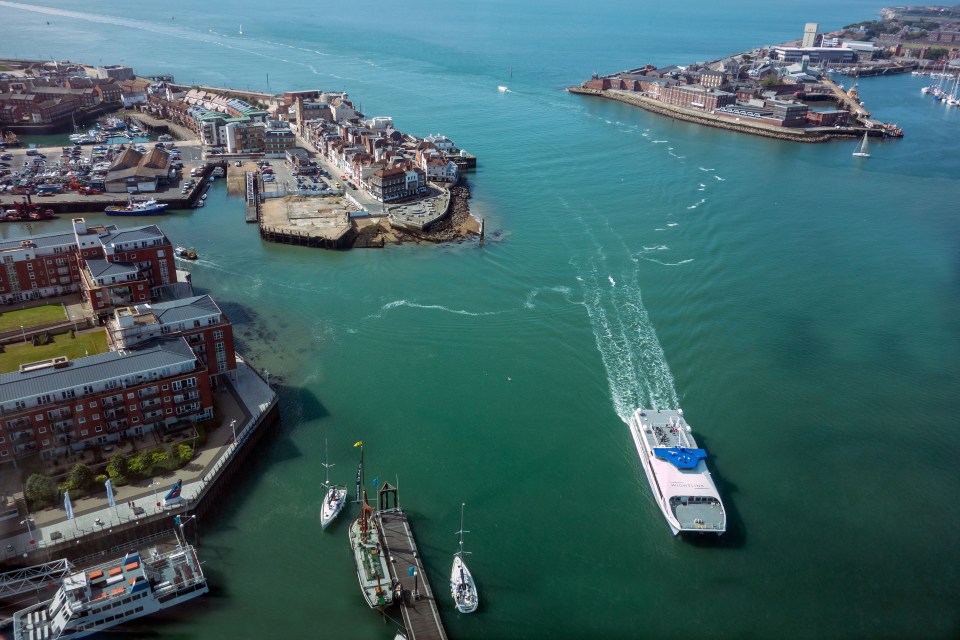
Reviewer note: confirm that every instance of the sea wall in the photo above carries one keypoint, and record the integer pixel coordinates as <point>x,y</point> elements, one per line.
<point>689,115</point>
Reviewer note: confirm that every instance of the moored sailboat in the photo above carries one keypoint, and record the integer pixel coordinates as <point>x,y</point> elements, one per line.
<point>462,587</point>
<point>334,497</point>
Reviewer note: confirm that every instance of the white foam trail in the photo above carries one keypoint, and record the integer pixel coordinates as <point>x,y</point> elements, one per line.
<point>613,282</point>
<point>434,307</point>
<point>637,371</point>
<point>719,178</point>
<point>671,224</point>
<point>705,169</point>
<point>695,205</point>
<point>666,264</point>
<point>703,186</point>
<point>659,141</point>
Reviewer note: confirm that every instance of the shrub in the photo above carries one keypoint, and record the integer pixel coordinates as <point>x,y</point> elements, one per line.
<point>100,479</point>
<point>79,479</point>
<point>40,491</point>
<point>139,464</point>
<point>183,453</point>
<point>118,466</point>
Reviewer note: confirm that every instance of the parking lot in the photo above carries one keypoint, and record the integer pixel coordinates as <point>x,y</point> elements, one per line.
<point>72,173</point>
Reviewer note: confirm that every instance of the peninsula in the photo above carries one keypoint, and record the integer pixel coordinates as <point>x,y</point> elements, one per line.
<point>314,169</point>
<point>786,91</point>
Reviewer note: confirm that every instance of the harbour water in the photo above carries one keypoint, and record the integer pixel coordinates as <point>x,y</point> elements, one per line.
<point>799,304</point>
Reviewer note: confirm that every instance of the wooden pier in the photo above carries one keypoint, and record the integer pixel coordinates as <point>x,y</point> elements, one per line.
<point>421,615</point>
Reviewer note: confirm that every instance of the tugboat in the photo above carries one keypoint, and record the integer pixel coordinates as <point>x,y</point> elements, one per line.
<point>186,254</point>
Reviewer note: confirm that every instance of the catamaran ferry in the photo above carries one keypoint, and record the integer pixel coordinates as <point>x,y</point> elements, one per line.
<point>677,472</point>
<point>112,593</point>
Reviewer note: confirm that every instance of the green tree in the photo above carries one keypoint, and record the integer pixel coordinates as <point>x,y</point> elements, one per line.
<point>80,477</point>
<point>39,490</point>
<point>183,453</point>
<point>159,456</point>
<point>119,466</point>
<point>139,464</point>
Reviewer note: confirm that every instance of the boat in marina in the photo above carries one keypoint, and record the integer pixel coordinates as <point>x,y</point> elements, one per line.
<point>111,593</point>
<point>677,472</point>
<point>373,573</point>
<point>369,555</point>
<point>135,208</point>
<point>334,498</point>
<point>462,587</point>
<point>863,150</point>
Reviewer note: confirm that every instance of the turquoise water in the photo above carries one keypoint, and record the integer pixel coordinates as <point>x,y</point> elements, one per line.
<point>801,306</point>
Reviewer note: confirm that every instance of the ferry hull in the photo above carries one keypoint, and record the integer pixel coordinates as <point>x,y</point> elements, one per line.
<point>704,487</point>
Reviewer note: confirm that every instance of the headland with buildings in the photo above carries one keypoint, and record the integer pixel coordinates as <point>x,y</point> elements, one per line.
<point>315,170</point>
<point>780,91</point>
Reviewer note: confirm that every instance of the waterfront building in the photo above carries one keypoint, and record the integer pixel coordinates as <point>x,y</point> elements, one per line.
<point>815,54</point>
<point>696,97</point>
<point>133,171</point>
<point>198,319</point>
<point>277,141</point>
<point>401,182</point>
<point>108,266</point>
<point>245,137</point>
<point>114,72</point>
<point>61,405</point>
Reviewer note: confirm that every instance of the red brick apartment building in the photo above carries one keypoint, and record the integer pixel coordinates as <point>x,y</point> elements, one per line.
<point>110,267</point>
<point>59,406</point>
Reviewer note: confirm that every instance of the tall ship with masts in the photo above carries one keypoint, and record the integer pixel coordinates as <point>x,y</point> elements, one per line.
<point>369,552</point>
<point>677,472</point>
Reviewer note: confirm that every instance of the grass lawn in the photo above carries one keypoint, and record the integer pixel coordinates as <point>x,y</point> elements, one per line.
<point>88,343</point>
<point>10,320</point>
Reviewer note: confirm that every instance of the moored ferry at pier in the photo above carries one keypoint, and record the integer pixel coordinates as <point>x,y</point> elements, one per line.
<point>677,472</point>
<point>109,594</point>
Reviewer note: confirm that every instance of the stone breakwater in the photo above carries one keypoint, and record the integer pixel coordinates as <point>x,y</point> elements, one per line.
<point>689,115</point>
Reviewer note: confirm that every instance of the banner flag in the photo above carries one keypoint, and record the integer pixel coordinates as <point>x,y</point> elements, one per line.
<point>67,505</point>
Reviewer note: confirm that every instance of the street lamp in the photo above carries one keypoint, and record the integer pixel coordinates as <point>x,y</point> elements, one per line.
<point>29,530</point>
<point>233,427</point>
<point>156,499</point>
<point>23,333</point>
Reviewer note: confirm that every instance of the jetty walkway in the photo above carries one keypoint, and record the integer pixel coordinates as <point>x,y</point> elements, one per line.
<point>421,616</point>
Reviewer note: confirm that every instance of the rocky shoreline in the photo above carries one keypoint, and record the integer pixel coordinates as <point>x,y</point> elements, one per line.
<point>457,226</point>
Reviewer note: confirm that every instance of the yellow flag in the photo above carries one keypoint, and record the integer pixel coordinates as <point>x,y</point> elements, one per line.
<point>359,443</point>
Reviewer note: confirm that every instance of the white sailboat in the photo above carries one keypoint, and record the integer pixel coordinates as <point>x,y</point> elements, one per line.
<point>334,498</point>
<point>241,29</point>
<point>862,151</point>
<point>462,587</point>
